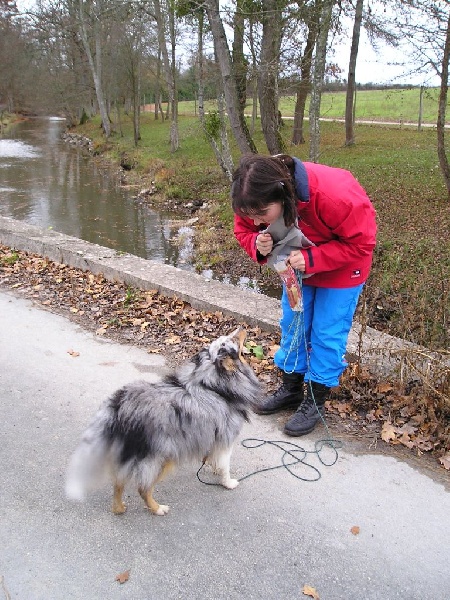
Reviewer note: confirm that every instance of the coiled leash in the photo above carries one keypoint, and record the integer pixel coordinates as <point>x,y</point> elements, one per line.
<point>294,455</point>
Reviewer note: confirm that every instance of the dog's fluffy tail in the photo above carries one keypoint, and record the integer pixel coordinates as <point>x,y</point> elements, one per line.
<point>88,469</point>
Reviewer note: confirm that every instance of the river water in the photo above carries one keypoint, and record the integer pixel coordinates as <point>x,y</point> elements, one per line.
<point>46,182</point>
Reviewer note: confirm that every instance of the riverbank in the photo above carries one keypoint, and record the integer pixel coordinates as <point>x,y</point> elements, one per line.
<point>168,311</point>
<point>408,292</point>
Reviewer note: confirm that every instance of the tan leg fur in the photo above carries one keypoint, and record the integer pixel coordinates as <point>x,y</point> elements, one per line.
<point>147,495</point>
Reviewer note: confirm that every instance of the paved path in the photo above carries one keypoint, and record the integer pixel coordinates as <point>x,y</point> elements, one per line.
<point>265,540</point>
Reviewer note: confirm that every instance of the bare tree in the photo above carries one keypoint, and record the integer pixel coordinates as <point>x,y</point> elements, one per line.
<point>425,26</point>
<point>351,78</point>
<point>222,52</point>
<point>12,58</point>
<point>90,23</point>
<point>214,125</point>
<point>443,159</point>
<point>318,77</point>
<point>130,57</point>
<point>304,86</point>
<point>169,69</point>
<point>240,67</point>
<point>268,75</point>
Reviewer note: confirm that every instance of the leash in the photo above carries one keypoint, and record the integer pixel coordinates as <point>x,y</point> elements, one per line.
<point>298,337</point>
<point>294,455</point>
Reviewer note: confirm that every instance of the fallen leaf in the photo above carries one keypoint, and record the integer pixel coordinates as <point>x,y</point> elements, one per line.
<point>424,444</point>
<point>406,440</point>
<point>273,349</point>
<point>445,461</point>
<point>407,429</point>
<point>310,591</point>
<point>388,432</point>
<point>383,388</point>
<point>73,353</point>
<point>123,577</point>
<point>355,530</point>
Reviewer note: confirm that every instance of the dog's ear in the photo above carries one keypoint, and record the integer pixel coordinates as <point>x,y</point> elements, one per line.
<point>240,334</point>
<point>235,333</point>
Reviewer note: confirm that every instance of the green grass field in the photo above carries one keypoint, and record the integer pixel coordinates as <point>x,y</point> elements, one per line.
<point>396,105</point>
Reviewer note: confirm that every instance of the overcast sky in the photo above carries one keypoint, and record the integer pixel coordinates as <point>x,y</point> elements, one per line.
<point>386,65</point>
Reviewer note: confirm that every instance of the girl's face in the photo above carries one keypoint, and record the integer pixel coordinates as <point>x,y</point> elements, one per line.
<point>271,214</point>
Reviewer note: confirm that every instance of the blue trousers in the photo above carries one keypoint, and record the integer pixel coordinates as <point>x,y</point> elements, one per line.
<point>313,342</point>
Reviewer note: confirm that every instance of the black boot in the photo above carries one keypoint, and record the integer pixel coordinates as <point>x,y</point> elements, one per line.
<point>310,411</point>
<point>289,395</point>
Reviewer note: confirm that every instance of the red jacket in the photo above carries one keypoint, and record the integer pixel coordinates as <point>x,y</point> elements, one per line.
<point>338,218</point>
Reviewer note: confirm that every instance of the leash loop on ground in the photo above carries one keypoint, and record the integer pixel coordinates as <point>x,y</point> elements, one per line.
<point>295,455</point>
<point>292,456</point>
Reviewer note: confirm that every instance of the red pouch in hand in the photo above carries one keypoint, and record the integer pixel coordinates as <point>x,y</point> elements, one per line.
<point>293,289</point>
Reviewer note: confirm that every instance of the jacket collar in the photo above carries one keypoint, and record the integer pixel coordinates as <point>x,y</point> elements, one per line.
<point>301,180</point>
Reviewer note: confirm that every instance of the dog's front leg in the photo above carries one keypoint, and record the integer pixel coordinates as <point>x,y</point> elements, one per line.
<point>222,464</point>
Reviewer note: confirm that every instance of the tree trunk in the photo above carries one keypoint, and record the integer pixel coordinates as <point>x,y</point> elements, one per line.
<point>174,137</point>
<point>137,110</point>
<point>253,83</point>
<point>158,99</point>
<point>200,66</point>
<point>222,51</point>
<point>239,63</point>
<point>268,76</point>
<point>420,116</point>
<point>351,79</point>
<point>443,159</point>
<point>168,71</point>
<point>319,71</point>
<point>95,66</point>
<point>222,153</point>
<point>305,84</point>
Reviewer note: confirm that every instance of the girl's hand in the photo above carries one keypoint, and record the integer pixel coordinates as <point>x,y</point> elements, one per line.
<point>264,243</point>
<point>297,261</point>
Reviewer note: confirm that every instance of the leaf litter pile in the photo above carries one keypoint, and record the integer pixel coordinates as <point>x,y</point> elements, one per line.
<point>375,411</point>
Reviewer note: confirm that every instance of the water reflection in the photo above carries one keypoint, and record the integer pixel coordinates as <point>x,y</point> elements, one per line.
<point>47,183</point>
<point>16,149</point>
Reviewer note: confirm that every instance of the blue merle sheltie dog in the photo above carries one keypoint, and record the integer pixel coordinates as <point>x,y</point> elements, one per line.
<point>146,429</point>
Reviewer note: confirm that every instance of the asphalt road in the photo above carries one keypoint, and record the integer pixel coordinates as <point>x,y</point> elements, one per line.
<point>265,540</point>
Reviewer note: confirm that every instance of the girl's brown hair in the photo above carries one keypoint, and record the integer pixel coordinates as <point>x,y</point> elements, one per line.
<point>262,180</point>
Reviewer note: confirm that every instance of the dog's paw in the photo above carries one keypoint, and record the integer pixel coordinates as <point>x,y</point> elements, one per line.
<point>230,484</point>
<point>119,508</point>
<point>162,510</point>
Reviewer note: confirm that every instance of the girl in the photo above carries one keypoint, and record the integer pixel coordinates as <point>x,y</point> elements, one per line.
<point>320,221</point>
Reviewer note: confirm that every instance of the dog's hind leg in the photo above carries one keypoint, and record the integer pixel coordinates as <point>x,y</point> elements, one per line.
<point>118,506</point>
<point>221,460</point>
<point>147,493</point>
